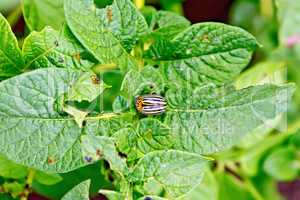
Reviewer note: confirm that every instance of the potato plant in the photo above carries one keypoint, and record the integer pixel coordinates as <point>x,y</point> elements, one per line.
<point>69,127</point>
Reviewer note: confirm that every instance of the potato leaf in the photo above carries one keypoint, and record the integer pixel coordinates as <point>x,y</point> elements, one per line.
<point>204,53</point>
<point>49,140</point>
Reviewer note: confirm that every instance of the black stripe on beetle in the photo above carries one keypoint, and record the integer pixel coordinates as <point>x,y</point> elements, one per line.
<point>150,104</point>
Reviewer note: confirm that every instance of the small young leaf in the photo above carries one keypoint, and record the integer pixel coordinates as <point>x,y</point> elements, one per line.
<point>39,14</point>
<point>49,48</point>
<point>178,172</point>
<point>283,164</point>
<point>11,60</point>
<point>80,191</point>
<point>207,121</point>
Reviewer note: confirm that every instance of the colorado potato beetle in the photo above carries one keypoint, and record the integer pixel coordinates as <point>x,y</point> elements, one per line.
<point>150,104</point>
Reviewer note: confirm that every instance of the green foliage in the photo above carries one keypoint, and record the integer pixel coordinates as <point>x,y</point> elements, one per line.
<point>56,106</point>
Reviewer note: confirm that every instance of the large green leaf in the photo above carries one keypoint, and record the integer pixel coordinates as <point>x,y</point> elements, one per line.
<point>39,14</point>
<point>33,132</point>
<point>178,172</point>
<point>11,61</point>
<point>209,120</point>
<point>108,32</point>
<point>50,48</point>
<point>79,192</point>
<point>204,53</point>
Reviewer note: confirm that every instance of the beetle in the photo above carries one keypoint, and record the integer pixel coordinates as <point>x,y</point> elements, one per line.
<point>150,104</point>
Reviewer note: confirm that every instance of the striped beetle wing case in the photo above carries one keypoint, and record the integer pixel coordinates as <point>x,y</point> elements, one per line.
<point>150,104</point>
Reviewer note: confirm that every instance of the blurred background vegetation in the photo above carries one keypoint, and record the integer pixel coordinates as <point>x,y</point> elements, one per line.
<point>265,165</point>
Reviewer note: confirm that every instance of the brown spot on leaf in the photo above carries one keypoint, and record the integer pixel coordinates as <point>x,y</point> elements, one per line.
<point>109,14</point>
<point>51,160</point>
<point>205,38</point>
<point>99,152</point>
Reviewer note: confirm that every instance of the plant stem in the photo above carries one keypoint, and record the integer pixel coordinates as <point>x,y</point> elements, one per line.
<point>139,4</point>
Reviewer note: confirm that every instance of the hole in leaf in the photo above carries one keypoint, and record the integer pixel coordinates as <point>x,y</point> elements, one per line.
<point>156,26</point>
<point>56,43</point>
<point>106,165</point>
<point>156,66</point>
<point>122,155</point>
<point>84,123</point>
<point>88,159</point>
<point>61,60</point>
